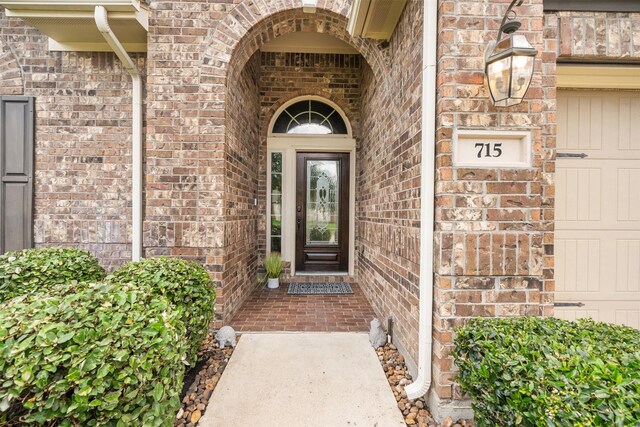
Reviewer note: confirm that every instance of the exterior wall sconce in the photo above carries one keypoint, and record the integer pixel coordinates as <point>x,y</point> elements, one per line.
<point>509,62</point>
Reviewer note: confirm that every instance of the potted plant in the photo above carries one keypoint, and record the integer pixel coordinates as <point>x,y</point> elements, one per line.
<point>273,267</point>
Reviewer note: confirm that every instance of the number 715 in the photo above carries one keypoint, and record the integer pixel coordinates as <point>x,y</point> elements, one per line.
<point>488,150</point>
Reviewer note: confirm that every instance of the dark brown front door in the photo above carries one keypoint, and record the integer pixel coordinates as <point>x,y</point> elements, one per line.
<point>322,212</point>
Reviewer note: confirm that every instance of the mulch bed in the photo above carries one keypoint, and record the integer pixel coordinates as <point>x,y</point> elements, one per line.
<point>415,412</point>
<point>200,381</point>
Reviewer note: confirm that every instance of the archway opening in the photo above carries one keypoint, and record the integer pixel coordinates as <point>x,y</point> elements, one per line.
<point>288,57</point>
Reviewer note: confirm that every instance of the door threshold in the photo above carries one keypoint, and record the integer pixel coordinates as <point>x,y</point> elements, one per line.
<point>320,273</point>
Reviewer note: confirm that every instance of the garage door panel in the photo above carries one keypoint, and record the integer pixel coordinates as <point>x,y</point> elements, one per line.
<point>578,265</point>
<point>606,196</point>
<point>598,207</point>
<point>598,260</point>
<point>628,318</point>
<point>582,187</point>
<point>601,124</point>
<point>579,111</point>
<point>628,194</point>
<point>628,124</point>
<point>628,265</point>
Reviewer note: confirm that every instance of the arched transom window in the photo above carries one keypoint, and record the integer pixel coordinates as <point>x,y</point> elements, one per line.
<point>310,117</point>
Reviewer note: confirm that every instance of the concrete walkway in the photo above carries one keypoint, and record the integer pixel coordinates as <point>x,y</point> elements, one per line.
<point>303,379</point>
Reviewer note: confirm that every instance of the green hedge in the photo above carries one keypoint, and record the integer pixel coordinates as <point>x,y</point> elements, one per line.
<point>35,270</point>
<point>549,372</point>
<point>186,284</point>
<point>89,355</point>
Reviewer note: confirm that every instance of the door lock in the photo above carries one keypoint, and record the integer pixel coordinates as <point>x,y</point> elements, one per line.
<point>299,216</point>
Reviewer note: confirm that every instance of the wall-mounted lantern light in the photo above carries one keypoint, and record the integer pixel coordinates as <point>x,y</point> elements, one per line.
<point>509,62</point>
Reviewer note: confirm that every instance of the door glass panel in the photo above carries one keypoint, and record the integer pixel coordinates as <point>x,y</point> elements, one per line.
<point>322,202</point>
<point>276,202</point>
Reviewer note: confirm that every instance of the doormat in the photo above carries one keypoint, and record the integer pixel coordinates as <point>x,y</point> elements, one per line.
<point>319,288</point>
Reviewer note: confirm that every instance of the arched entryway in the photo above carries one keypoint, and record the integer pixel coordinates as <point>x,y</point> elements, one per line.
<point>239,86</point>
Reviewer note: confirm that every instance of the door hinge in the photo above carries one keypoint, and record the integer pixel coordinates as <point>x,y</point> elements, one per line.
<point>573,155</point>
<point>568,304</point>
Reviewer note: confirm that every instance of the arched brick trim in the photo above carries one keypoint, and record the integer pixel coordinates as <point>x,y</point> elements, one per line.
<point>251,24</point>
<point>11,82</point>
<point>268,115</point>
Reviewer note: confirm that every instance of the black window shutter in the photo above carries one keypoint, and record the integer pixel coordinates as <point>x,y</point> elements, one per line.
<point>16,170</point>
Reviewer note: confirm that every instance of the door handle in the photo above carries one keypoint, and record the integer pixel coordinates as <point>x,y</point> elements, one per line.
<point>299,221</point>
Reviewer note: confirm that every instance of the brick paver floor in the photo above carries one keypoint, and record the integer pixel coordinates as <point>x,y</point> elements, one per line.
<point>275,310</point>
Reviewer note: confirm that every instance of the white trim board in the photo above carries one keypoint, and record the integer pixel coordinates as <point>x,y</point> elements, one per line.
<point>578,76</point>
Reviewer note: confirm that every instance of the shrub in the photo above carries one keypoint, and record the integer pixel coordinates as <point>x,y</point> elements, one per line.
<point>35,270</point>
<point>89,355</point>
<point>186,284</point>
<point>549,372</point>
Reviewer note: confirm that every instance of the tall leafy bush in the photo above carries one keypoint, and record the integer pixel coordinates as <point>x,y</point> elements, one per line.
<point>549,372</point>
<point>184,283</point>
<point>90,355</point>
<point>36,270</point>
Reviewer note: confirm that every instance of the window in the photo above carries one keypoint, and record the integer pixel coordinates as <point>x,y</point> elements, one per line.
<point>276,202</point>
<point>310,117</point>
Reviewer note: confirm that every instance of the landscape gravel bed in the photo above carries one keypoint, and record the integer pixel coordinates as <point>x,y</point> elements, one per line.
<point>415,412</point>
<point>201,380</point>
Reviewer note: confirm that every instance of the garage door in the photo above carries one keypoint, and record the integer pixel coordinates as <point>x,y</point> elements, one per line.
<point>598,206</point>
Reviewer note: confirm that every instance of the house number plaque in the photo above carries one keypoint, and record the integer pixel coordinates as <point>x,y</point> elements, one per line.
<point>491,149</point>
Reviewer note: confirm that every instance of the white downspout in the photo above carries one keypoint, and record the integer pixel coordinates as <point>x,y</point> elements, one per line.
<point>430,43</point>
<point>102,22</point>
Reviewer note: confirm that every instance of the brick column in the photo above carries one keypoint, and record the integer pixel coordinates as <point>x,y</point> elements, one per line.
<point>493,226</point>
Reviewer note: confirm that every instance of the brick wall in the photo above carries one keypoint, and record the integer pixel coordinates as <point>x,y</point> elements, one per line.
<point>185,166</point>
<point>388,170</point>
<point>10,72</point>
<point>83,138</point>
<point>492,225</point>
<point>593,36</point>
<point>284,76</point>
<point>241,187</point>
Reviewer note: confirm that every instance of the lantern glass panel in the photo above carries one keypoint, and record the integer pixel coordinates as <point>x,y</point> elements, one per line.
<point>521,76</point>
<point>499,73</point>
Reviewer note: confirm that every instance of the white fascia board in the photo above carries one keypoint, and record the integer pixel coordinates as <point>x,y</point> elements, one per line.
<point>604,76</point>
<point>72,5</point>
<point>359,11</point>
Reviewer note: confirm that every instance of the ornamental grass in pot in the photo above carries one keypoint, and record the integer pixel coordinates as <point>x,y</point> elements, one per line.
<point>273,268</point>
